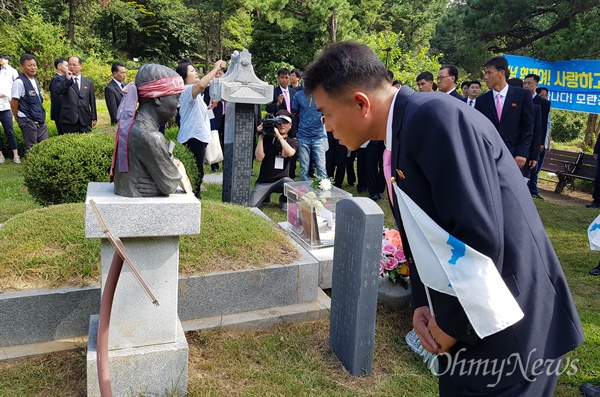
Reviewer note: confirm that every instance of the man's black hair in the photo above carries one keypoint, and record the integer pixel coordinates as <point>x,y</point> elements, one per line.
<point>345,64</point>
<point>515,82</point>
<point>465,83</point>
<point>58,61</point>
<point>499,63</point>
<point>427,76</point>
<point>283,71</point>
<point>27,57</point>
<point>115,66</point>
<point>475,82</point>
<point>540,89</point>
<point>297,72</point>
<point>533,76</point>
<point>452,71</point>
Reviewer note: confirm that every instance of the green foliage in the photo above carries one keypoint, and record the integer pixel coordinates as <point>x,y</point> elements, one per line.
<point>32,35</point>
<point>184,154</point>
<point>406,65</point>
<point>567,126</point>
<point>59,169</point>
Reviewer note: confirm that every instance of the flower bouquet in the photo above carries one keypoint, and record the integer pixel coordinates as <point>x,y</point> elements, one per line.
<point>392,261</point>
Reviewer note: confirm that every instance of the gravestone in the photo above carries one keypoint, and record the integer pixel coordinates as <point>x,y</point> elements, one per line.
<point>354,285</point>
<point>242,91</point>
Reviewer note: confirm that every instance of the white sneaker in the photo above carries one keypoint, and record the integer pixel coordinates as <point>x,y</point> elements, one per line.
<point>17,160</point>
<point>2,159</point>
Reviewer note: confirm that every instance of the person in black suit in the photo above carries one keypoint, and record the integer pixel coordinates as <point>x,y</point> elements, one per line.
<point>113,92</point>
<point>62,67</point>
<point>531,82</point>
<point>450,160</point>
<point>446,80</point>
<point>516,121</point>
<point>78,111</point>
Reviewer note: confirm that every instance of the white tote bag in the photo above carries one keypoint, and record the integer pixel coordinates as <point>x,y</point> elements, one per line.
<point>214,153</point>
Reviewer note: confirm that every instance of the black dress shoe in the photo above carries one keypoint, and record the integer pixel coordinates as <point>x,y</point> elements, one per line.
<point>593,204</point>
<point>589,390</point>
<point>595,272</point>
<point>537,196</point>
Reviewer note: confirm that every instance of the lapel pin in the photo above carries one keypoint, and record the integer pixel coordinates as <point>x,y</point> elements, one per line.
<point>400,174</point>
<point>514,105</point>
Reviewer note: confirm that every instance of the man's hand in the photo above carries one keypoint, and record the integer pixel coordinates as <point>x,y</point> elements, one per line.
<point>520,161</point>
<point>421,319</point>
<point>444,340</point>
<point>542,147</point>
<point>532,164</point>
<point>595,156</point>
<point>220,64</point>
<point>68,75</point>
<point>94,122</point>
<point>279,99</point>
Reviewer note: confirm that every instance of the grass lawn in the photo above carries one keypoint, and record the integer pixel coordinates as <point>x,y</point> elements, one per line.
<point>295,360</point>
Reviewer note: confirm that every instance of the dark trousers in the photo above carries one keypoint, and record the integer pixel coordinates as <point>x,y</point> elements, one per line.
<point>361,163</point>
<point>596,193</point>
<point>374,177</point>
<point>199,150</point>
<point>335,160</point>
<point>75,128</point>
<point>33,132</point>
<point>533,176</point>
<point>350,168</point>
<point>59,129</point>
<point>6,119</point>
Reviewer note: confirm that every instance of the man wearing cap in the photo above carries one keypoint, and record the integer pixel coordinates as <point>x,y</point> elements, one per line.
<point>7,75</point>
<point>274,153</point>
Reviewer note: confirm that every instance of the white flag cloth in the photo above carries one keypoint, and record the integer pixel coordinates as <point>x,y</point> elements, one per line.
<point>594,234</point>
<point>448,265</point>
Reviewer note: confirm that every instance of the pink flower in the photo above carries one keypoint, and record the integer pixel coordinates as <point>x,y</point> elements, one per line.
<point>392,264</point>
<point>388,249</point>
<point>392,233</point>
<point>400,256</point>
<point>381,267</point>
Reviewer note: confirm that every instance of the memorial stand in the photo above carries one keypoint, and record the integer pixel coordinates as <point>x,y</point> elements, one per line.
<point>148,352</point>
<point>243,93</point>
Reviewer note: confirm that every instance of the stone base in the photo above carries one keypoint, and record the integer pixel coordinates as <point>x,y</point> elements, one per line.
<point>157,370</point>
<point>323,255</point>
<point>391,294</point>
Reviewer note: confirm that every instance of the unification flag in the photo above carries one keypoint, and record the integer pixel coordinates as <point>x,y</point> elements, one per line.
<point>449,266</point>
<point>594,234</point>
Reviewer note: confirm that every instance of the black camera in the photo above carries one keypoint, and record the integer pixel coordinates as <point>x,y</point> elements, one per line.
<point>269,123</point>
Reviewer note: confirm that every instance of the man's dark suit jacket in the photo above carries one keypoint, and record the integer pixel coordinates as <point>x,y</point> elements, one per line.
<point>113,95</point>
<point>516,124</point>
<point>272,107</point>
<point>451,161</point>
<point>55,99</point>
<point>545,105</point>
<point>456,95</point>
<point>79,106</point>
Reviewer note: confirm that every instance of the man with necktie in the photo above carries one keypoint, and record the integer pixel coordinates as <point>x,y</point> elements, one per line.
<point>113,92</point>
<point>78,111</point>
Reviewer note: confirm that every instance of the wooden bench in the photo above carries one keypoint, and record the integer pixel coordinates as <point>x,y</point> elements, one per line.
<point>569,166</point>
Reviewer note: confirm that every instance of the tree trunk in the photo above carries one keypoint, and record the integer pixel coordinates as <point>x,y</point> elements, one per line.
<point>332,27</point>
<point>72,22</point>
<point>592,129</point>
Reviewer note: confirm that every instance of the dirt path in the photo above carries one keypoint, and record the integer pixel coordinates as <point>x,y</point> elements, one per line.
<point>577,198</point>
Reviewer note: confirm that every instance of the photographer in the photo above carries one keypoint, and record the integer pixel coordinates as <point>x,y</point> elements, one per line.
<point>274,150</point>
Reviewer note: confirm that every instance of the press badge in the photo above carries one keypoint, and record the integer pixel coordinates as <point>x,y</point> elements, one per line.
<point>278,163</point>
<point>32,93</point>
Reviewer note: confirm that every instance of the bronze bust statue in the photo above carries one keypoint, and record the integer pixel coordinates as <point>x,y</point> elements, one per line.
<point>142,164</point>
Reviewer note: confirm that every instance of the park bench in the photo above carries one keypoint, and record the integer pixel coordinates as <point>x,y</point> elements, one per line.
<point>569,166</point>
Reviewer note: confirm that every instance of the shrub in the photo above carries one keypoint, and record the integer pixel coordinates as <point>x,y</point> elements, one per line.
<point>567,125</point>
<point>58,170</point>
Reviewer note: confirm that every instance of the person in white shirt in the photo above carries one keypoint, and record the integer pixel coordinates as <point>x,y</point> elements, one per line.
<point>7,75</point>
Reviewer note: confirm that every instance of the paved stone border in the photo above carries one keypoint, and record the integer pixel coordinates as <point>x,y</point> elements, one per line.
<point>37,316</point>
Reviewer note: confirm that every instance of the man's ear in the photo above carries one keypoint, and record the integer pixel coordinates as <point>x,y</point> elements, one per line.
<point>363,102</point>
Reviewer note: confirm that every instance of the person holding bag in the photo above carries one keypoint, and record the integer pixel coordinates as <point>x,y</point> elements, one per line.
<point>194,130</point>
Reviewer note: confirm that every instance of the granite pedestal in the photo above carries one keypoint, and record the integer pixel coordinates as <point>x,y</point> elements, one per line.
<point>149,229</point>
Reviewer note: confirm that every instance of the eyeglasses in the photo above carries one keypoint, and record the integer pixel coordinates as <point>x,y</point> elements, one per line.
<point>323,120</point>
<point>442,77</point>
